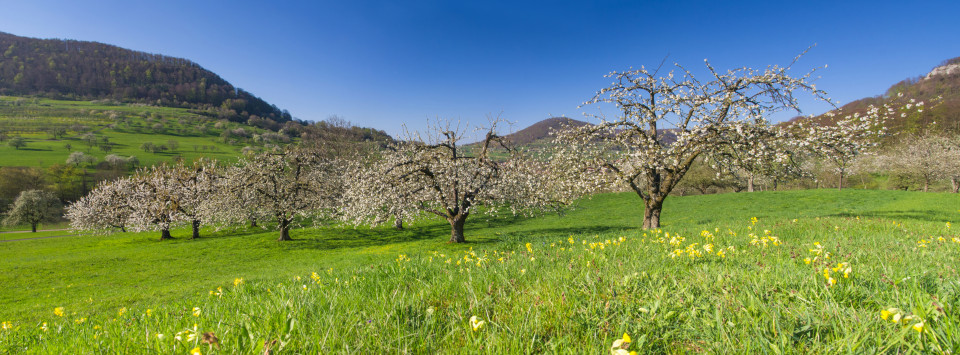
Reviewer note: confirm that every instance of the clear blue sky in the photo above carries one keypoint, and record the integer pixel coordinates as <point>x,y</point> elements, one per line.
<point>384,63</point>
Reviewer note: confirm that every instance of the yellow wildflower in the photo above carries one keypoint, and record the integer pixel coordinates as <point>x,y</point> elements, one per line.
<point>58,311</point>
<point>237,281</point>
<point>196,311</point>
<point>529,249</point>
<point>8,325</point>
<point>476,323</point>
<point>196,351</point>
<point>918,327</point>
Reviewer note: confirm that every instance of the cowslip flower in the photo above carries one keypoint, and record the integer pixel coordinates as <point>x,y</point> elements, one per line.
<point>196,311</point>
<point>918,327</point>
<point>621,345</point>
<point>237,281</point>
<point>476,323</point>
<point>196,351</point>
<point>58,311</point>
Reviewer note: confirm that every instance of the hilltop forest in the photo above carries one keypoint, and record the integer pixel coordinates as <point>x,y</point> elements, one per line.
<point>81,70</point>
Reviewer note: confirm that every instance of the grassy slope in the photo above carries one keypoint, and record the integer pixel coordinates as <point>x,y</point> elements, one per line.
<point>42,150</point>
<point>89,275</point>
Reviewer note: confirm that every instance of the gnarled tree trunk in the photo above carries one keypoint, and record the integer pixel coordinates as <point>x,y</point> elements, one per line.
<point>196,229</point>
<point>284,230</point>
<point>456,228</point>
<point>165,234</point>
<point>651,213</point>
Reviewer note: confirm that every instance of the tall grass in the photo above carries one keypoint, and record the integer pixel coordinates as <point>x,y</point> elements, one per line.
<point>731,283</point>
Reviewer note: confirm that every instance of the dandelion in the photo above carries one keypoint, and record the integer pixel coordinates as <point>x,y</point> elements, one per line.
<point>149,312</point>
<point>58,311</point>
<point>476,323</point>
<point>807,261</point>
<point>196,351</point>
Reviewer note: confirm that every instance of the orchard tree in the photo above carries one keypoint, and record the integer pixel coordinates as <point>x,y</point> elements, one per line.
<point>33,207</point>
<point>841,138</point>
<point>926,159</point>
<point>665,123</point>
<point>364,179</point>
<point>285,186</point>
<point>436,174</point>
<point>153,198</point>
<point>105,208</point>
<point>953,162</point>
<point>194,191</point>
<point>757,151</point>
<point>17,142</point>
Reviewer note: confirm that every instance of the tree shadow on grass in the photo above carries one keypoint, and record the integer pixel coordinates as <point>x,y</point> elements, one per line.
<point>914,215</point>
<point>337,238</point>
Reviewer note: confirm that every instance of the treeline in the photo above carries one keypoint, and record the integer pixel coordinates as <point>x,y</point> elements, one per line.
<point>79,70</point>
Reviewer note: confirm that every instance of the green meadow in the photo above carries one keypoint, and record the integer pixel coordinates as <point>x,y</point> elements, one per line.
<point>125,126</point>
<point>817,271</point>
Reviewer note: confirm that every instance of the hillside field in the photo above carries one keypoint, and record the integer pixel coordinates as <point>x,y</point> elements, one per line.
<point>125,126</point>
<point>816,271</point>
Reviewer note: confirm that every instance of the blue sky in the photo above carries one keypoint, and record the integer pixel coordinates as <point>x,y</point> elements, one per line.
<point>384,63</point>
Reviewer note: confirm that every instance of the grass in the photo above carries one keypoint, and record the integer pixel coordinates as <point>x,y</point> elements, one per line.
<point>125,126</point>
<point>350,290</point>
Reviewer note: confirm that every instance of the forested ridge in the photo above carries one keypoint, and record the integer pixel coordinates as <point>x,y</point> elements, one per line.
<point>81,70</point>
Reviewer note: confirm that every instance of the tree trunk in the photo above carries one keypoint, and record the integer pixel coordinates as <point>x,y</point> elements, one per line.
<point>840,183</point>
<point>253,222</point>
<point>750,183</point>
<point>456,228</point>
<point>651,214</point>
<point>33,227</point>
<point>284,231</point>
<point>955,181</point>
<point>196,229</point>
<point>165,234</point>
<point>926,185</point>
<point>397,223</point>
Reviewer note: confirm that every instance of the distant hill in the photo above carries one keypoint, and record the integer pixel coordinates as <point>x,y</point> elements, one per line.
<point>80,70</point>
<point>942,81</point>
<point>541,130</point>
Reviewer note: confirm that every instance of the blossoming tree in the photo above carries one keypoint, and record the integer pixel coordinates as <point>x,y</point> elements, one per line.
<point>285,186</point>
<point>665,123</point>
<point>33,207</point>
<point>439,175</point>
<point>106,207</point>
